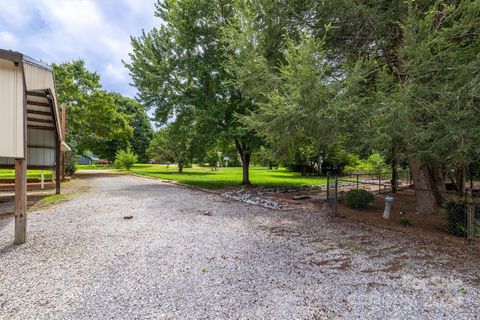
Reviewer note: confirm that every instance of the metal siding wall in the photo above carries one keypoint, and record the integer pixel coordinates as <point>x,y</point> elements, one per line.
<point>7,161</point>
<point>12,115</point>
<point>38,156</point>
<point>11,110</point>
<point>38,78</point>
<point>37,137</point>
<point>41,156</point>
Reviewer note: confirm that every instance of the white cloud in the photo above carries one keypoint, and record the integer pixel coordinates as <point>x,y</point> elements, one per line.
<point>76,18</point>
<point>116,73</point>
<point>62,30</point>
<point>7,40</point>
<point>11,14</point>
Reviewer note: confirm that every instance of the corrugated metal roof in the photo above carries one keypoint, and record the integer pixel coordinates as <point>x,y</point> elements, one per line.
<point>37,63</point>
<point>18,56</point>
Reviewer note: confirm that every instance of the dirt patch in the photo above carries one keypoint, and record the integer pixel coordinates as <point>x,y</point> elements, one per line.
<point>394,266</point>
<point>402,218</point>
<point>279,231</point>
<point>7,204</point>
<point>329,261</point>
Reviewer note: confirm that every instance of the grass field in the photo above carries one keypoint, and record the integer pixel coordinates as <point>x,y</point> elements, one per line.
<point>224,177</point>
<point>31,174</point>
<point>93,166</point>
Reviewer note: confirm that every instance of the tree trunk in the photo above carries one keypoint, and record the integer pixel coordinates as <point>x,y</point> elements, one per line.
<point>245,157</point>
<point>245,168</point>
<point>180,166</point>
<point>394,180</point>
<point>438,183</point>
<point>426,201</point>
<point>269,165</point>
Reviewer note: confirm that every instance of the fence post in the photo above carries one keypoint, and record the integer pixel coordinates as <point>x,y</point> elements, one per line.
<point>328,187</point>
<point>379,183</point>
<point>357,180</point>
<point>470,232</point>
<point>335,198</point>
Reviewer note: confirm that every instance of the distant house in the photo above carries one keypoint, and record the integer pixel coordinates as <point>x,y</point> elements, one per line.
<point>87,160</point>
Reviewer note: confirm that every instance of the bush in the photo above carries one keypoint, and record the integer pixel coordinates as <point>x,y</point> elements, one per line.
<point>375,164</point>
<point>359,198</point>
<point>125,159</point>
<point>456,217</point>
<point>405,222</point>
<point>70,164</point>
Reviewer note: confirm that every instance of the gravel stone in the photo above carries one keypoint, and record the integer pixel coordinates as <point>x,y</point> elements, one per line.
<point>248,197</point>
<point>172,261</point>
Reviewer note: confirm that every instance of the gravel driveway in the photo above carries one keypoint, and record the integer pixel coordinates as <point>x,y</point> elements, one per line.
<point>187,254</point>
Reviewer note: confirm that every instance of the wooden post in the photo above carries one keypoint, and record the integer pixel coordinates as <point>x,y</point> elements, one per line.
<point>335,197</point>
<point>64,120</point>
<point>328,187</point>
<point>379,184</point>
<point>20,201</point>
<point>62,166</point>
<point>470,223</point>
<point>470,233</point>
<point>58,176</point>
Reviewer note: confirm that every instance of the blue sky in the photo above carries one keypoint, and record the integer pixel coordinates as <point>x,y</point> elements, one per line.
<point>97,31</point>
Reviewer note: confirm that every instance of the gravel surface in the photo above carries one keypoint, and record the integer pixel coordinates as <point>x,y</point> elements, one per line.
<point>187,254</point>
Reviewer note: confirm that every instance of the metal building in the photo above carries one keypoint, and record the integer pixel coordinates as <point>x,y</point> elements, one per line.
<point>30,131</point>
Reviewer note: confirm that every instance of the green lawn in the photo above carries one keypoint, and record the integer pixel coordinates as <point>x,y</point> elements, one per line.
<point>31,174</point>
<point>224,177</point>
<point>93,166</point>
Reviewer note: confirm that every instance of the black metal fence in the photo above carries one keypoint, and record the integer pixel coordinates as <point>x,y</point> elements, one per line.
<point>459,215</point>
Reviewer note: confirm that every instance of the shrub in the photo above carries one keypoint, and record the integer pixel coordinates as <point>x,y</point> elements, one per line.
<point>70,164</point>
<point>125,159</point>
<point>359,198</point>
<point>405,222</point>
<point>456,217</point>
<point>373,165</point>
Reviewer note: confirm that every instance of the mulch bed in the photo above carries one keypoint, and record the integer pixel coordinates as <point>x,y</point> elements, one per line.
<point>427,226</point>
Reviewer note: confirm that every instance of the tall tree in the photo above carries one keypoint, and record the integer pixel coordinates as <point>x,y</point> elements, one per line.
<point>178,68</point>
<point>425,100</point>
<point>299,98</point>
<point>173,143</point>
<point>139,121</point>
<point>94,120</point>
<point>441,87</point>
<point>369,37</point>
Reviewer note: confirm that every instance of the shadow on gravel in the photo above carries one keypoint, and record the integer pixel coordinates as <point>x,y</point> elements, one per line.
<point>7,248</point>
<point>4,221</point>
<point>7,206</point>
